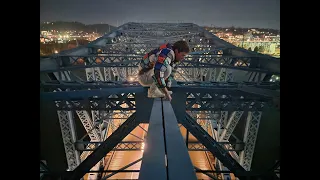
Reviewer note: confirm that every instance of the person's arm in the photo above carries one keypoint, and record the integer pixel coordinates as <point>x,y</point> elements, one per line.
<point>159,70</point>
<point>147,62</point>
<point>164,58</point>
<point>171,77</point>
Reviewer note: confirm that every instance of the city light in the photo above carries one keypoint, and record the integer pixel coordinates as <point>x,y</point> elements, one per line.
<point>131,78</point>
<point>142,146</point>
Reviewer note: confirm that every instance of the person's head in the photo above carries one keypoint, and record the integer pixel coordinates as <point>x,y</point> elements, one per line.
<point>181,49</point>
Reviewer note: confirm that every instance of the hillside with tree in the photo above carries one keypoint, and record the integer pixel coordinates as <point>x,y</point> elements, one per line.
<point>76,26</point>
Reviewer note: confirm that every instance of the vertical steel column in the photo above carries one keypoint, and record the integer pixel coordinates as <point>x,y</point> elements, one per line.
<point>250,137</point>
<point>69,137</point>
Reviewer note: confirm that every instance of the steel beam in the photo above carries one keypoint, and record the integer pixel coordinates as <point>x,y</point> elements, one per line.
<point>231,125</point>
<point>68,133</point>
<point>213,105</point>
<point>214,99</point>
<point>200,36</point>
<point>103,149</point>
<point>88,125</point>
<point>250,137</point>
<point>123,168</point>
<point>192,61</point>
<point>137,170</point>
<point>205,96</point>
<point>217,150</point>
<point>197,48</point>
<point>153,164</point>
<point>137,146</point>
<point>49,86</point>
<point>143,106</point>
<point>87,94</point>
<point>208,92</point>
<point>206,173</point>
<point>179,162</point>
<point>179,104</point>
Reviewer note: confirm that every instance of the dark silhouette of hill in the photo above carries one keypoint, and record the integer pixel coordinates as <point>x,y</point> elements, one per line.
<point>76,26</point>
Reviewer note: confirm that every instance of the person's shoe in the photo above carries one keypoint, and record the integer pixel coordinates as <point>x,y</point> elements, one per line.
<point>155,92</point>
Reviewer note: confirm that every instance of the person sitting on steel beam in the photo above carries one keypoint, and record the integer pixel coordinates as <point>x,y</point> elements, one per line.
<point>158,67</point>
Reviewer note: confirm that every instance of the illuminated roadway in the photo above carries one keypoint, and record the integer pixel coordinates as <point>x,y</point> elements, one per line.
<point>122,158</point>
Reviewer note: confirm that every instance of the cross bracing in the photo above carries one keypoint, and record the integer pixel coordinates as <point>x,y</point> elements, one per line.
<point>218,83</point>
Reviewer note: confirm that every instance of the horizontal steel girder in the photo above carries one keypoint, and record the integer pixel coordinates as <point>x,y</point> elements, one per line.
<point>158,25</point>
<point>121,96</point>
<point>159,33</point>
<point>137,146</point>
<point>215,100</point>
<point>198,47</point>
<point>64,62</point>
<point>194,34</point>
<point>49,86</point>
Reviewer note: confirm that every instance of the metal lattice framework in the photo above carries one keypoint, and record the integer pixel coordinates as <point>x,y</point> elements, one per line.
<point>67,130</point>
<point>137,146</point>
<point>219,82</point>
<point>250,136</point>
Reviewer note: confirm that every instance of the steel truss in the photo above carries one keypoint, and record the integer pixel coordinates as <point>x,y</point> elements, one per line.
<point>191,61</point>
<point>137,146</point>
<point>49,86</point>
<point>125,47</point>
<point>213,99</point>
<point>103,149</point>
<point>87,82</point>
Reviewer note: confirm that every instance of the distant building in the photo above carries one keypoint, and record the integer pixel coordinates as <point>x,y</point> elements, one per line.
<point>76,43</point>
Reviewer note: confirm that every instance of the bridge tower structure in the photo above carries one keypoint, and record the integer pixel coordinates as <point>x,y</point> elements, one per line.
<point>217,87</point>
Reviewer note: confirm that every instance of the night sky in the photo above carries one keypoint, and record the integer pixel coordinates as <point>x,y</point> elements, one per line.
<point>239,13</point>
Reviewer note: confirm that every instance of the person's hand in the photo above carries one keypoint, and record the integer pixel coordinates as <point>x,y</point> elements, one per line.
<point>168,97</point>
<point>169,84</point>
